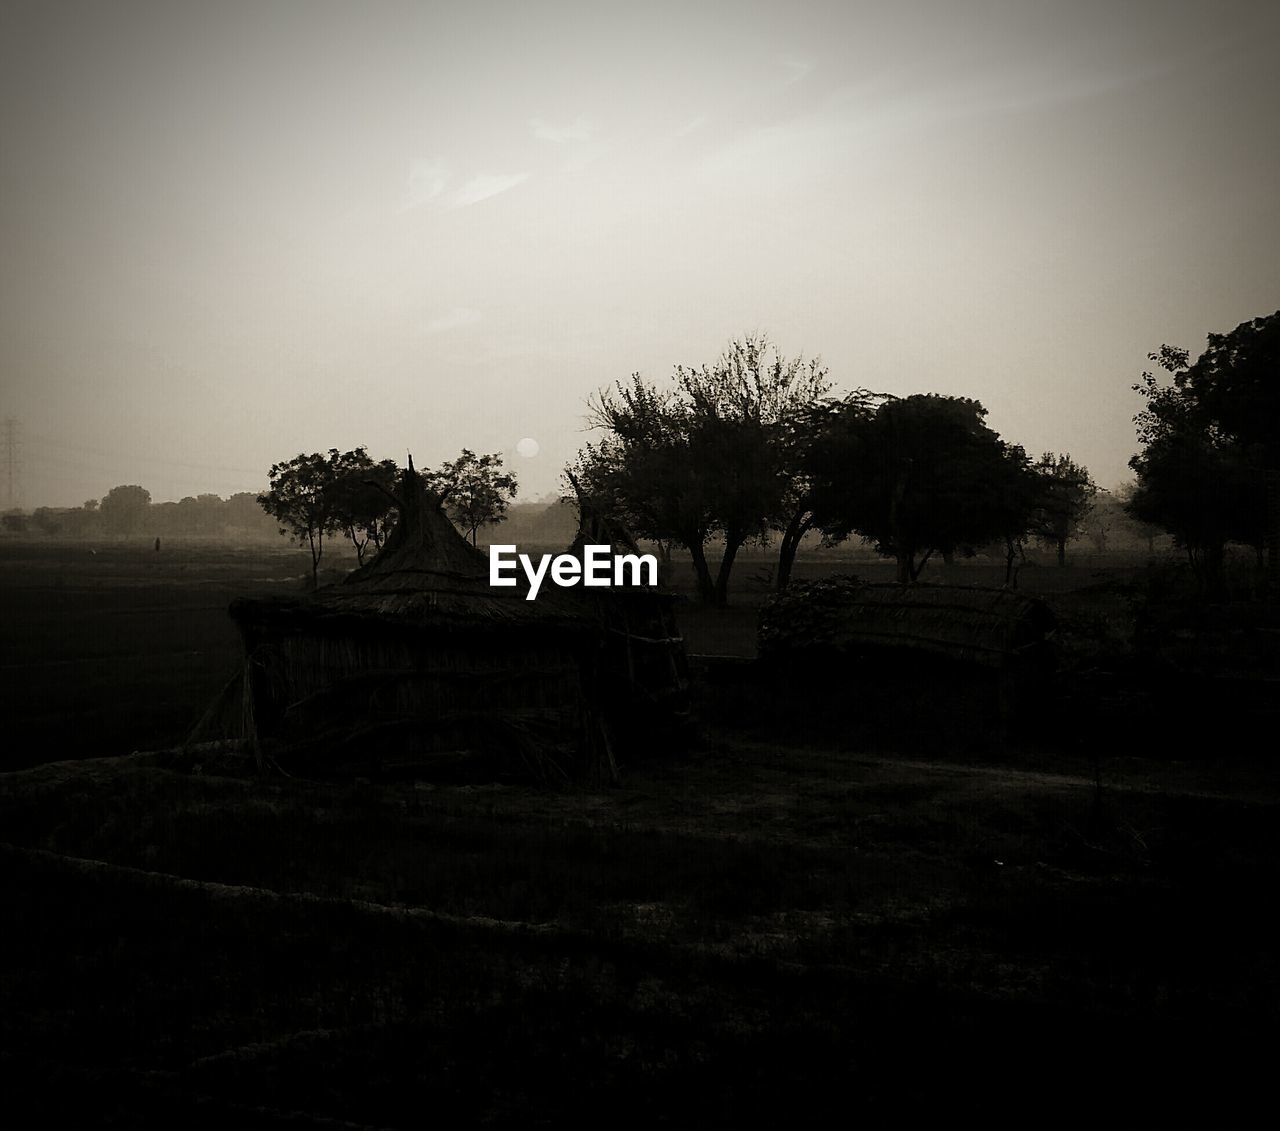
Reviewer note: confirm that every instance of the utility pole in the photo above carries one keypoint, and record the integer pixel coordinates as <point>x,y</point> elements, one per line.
<point>12,466</point>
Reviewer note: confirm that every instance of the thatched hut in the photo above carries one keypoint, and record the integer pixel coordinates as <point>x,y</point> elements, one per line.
<point>905,654</point>
<point>414,661</point>
<point>988,628</point>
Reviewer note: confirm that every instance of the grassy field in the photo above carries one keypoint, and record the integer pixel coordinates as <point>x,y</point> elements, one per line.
<point>781,921</point>
<point>111,648</point>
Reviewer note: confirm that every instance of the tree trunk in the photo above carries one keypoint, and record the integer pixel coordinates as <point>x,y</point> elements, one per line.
<point>796,529</point>
<point>731,546</point>
<point>1062,551</point>
<point>664,561</point>
<point>917,570</point>
<point>358,544</point>
<point>1012,553</point>
<point>706,587</point>
<point>906,567</point>
<point>1206,563</point>
<point>316,542</point>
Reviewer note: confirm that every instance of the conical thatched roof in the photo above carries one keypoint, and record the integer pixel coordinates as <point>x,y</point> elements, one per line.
<point>423,544</point>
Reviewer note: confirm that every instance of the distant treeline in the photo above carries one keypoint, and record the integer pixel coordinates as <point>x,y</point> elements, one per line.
<point>241,516</point>
<point>128,511</point>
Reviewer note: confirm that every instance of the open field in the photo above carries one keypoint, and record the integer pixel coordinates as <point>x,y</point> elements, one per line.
<point>858,910</point>
<point>122,649</point>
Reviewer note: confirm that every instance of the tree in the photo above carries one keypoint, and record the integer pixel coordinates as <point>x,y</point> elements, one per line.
<point>1236,384</point>
<point>1066,495</point>
<point>747,429</point>
<point>1194,479</point>
<point>1147,531</point>
<point>46,520</point>
<point>123,509</point>
<point>363,498</point>
<point>1100,521</point>
<point>643,473</point>
<point>713,453</point>
<point>202,514</point>
<point>802,440</point>
<point>919,474</point>
<point>300,497</point>
<point>1014,495</point>
<point>475,489</point>
<point>246,515</point>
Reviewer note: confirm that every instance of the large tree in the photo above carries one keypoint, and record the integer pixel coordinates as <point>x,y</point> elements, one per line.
<point>475,489</point>
<point>1195,479</point>
<point>1065,497</point>
<point>801,439</point>
<point>919,475</point>
<point>363,499</point>
<point>203,514</point>
<point>123,509</point>
<point>1236,384</point>
<point>712,453</point>
<point>643,472</point>
<point>300,497</point>
<point>245,514</point>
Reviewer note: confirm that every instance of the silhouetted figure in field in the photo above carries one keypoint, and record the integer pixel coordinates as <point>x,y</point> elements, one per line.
<point>157,545</point>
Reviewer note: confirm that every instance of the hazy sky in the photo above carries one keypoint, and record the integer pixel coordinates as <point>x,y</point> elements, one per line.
<point>236,231</point>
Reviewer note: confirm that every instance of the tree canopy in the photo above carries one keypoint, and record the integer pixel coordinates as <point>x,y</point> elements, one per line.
<point>301,498</point>
<point>1199,474</point>
<point>362,498</point>
<point>918,475</point>
<point>475,489</point>
<point>1065,494</point>
<point>123,508</point>
<point>1235,384</point>
<point>711,453</point>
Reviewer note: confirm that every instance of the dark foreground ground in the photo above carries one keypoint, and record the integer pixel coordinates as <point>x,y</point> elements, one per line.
<point>785,919</point>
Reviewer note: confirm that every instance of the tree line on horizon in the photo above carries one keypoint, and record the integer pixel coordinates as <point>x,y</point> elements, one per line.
<point>128,510</point>
<point>756,445</point>
<point>756,448</point>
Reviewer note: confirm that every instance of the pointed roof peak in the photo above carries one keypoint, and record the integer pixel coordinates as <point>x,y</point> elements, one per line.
<point>423,541</point>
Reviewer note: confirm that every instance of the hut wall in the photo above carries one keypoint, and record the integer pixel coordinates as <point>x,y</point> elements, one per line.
<point>422,692</point>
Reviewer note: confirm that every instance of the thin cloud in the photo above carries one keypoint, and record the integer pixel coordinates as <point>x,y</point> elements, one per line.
<point>426,182</point>
<point>796,70</point>
<point>484,186</point>
<point>580,129</point>
<point>453,319</point>
<point>691,125</point>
